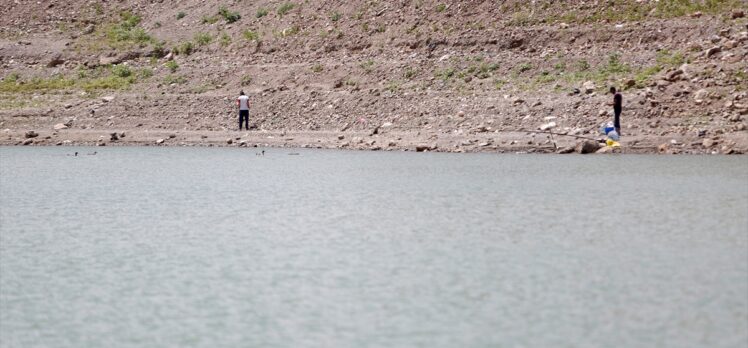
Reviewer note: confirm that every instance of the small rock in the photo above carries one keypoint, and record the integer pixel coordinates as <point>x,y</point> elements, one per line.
<point>563,26</point>
<point>160,141</point>
<point>662,148</point>
<point>88,29</point>
<point>737,13</point>
<point>341,137</point>
<point>172,136</point>
<point>229,141</point>
<point>28,142</point>
<point>707,143</point>
<point>243,143</point>
<point>548,126</point>
<point>712,51</point>
<point>608,149</point>
<point>422,148</point>
<point>700,95</point>
<point>31,134</point>
<point>107,99</point>
<point>60,126</point>
<point>113,136</point>
<point>55,61</point>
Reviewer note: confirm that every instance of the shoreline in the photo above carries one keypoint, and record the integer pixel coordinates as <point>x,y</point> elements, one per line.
<point>379,140</point>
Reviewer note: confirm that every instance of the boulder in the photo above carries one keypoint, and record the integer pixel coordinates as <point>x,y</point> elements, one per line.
<point>107,99</point>
<point>737,13</point>
<point>31,134</point>
<point>587,146</point>
<point>60,126</point>
<point>588,87</point>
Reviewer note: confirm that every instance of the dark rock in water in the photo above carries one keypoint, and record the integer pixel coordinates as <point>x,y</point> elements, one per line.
<point>587,146</point>
<point>31,134</point>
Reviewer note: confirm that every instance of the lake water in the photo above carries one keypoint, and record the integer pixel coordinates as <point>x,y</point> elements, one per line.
<point>207,247</point>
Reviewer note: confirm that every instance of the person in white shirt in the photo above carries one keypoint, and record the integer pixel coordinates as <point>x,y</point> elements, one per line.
<point>243,103</point>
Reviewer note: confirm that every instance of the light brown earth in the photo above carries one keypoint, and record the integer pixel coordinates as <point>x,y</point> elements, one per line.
<point>458,76</point>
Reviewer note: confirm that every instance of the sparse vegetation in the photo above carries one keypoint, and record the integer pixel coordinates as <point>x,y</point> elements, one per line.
<point>172,79</point>
<point>368,66</point>
<point>335,16</point>
<point>246,80</point>
<point>202,39</point>
<point>181,15</point>
<point>209,19</point>
<point>285,8</point>
<point>127,32</point>
<point>317,68</point>
<point>184,48</point>
<point>225,40</point>
<point>115,77</point>
<point>261,12</point>
<point>172,66</point>
<point>445,74</point>
<point>228,16</point>
<point>441,7</point>
<point>250,35</point>
<point>410,73</point>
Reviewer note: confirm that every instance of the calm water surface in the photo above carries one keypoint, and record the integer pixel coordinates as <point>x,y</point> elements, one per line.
<point>201,247</point>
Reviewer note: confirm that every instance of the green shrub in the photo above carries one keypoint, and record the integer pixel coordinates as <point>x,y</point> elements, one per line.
<point>202,39</point>
<point>209,20</point>
<point>225,40</point>
<point>285,8</point>
<point>127,31</point>
<point>250,35</point>
<point>184,48</point>
<point>181,15</point>
<point>145,73</point>
<point>335,16</point>
<point>228,16</point>
<point>261,12</point>
<point>410,73</point>
<point>172,65</point>
<point>121,71</point>
<point>317,68</point>
<point>441,7</point>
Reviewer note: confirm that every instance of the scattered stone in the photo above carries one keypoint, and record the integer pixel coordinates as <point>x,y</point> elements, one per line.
<point>107,99</point>
<point>122,135</point>
<point>587,146</point>
<point>160,141</point>
<point>243,143</point>
<point>28,142</point>
<point>737,13</point>
<point>700,95</point>
<point>101,143</point>
<point>740,127</point>
<point>60,126</point>
<point>630,83</point>
<point>734,118</point>
<point>113,136</point>
<point>563,26</point>
<point>696,14</point>
<point>708,143</point>
<point>31,134</point>
<point>172,136</point>
<point>229,141</point>
<point>663,148</point>
<point>341,137</point>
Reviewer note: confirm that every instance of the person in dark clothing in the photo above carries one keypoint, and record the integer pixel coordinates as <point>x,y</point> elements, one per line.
<point>243,103</point>
<point>617,108</point>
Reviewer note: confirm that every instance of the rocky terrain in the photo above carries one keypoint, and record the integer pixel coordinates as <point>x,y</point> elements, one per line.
<point>458,76</point>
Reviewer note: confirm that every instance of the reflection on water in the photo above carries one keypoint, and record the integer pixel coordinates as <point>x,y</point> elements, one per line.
<point>198,247</point>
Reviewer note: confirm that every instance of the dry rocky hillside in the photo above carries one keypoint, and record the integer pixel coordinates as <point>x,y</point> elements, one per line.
<point>420,75</point>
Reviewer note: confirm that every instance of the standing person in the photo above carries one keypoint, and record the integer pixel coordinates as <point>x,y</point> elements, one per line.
<point>243,103</point>
<point>617,108</point>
